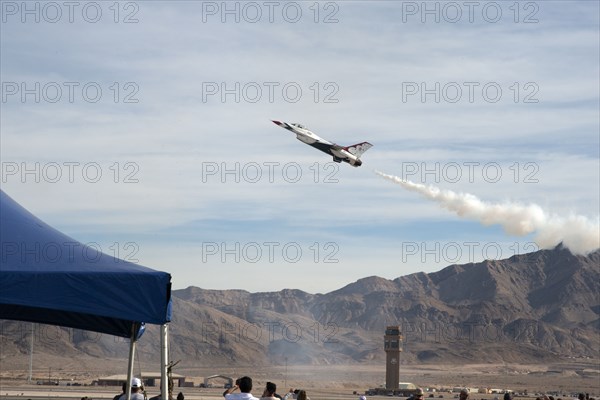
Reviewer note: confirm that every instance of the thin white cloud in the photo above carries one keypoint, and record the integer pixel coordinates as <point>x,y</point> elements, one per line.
<point>171,134</point>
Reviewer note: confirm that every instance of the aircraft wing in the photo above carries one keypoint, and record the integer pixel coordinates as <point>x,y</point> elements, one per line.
<point>326,147</point>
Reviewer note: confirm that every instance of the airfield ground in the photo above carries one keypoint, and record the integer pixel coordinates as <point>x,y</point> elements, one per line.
<point>339,382</point>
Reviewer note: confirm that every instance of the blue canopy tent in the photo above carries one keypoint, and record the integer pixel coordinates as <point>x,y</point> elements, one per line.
<point>48,277</point>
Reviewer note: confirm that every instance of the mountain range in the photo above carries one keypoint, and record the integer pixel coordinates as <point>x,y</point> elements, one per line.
<point>536,307</point>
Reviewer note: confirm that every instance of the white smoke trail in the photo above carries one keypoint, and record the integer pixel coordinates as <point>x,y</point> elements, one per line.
<point>577,233</point>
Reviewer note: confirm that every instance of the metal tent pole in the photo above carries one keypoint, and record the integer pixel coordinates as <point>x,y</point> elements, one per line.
<point>130,365</point>
<point>164,361</point>
<point>30,378</point>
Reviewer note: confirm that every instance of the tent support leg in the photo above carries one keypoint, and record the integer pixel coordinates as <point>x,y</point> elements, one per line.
<point>30,378</point>
<point>130,365</point>
<point>164,361</point>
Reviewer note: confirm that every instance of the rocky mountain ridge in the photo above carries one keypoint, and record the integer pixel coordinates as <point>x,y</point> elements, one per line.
<point>534,307</point>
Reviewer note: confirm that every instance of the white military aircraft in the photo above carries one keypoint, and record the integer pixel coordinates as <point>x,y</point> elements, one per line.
<point>350,154</point>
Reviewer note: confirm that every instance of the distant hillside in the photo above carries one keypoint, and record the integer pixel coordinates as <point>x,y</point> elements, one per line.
<point>535,307</point>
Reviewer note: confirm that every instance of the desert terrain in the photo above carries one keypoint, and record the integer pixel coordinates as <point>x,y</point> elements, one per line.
<point>525,323</point>
<point>336,381</point>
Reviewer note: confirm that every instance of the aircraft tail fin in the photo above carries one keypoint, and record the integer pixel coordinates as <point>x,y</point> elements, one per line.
<point>358,149</point>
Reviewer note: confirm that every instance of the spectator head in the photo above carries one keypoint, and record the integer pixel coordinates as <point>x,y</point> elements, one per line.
<point>271,388</point>
<point>245,384</point>
<point>136,385</point>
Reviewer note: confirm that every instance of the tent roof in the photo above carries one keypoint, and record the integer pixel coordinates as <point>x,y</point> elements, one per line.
<point>48,277</point>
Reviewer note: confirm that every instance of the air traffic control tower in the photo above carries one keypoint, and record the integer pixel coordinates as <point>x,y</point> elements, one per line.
<point>392,346</point>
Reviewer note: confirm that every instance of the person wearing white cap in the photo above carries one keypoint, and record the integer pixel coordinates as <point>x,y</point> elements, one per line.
<point>362,398</point>
<point>136,388</point>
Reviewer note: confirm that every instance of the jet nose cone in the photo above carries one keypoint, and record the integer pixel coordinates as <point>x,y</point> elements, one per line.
<point>276,122</point>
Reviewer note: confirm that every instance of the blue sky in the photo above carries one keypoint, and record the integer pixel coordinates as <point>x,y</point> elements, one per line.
<point>146,130</point>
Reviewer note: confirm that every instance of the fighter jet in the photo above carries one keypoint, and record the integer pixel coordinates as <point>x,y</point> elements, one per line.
<point>350,154</point>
